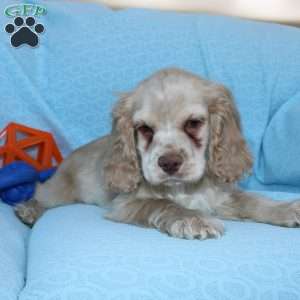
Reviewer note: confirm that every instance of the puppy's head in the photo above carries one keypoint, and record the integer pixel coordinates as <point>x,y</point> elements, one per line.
<point>175,128</point>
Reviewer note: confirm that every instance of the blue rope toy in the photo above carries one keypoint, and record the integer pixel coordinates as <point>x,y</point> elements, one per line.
<point>18,181</point>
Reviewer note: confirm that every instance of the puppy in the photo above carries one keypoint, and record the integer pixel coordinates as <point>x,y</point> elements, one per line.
<point>171,162</point>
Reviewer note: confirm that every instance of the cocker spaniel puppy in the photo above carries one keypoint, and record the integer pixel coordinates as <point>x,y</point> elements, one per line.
<point>171,162</point>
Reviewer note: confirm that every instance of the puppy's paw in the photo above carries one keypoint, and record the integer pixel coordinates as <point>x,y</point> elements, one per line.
<point>290,216</point>
<point>194,227</point>
<point>29,212</point>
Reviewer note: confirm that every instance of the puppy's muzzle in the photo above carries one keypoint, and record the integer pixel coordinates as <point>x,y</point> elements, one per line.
<point>170,162</point>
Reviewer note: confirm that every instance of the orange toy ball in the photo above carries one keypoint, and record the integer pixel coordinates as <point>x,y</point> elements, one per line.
<point>36,147</point>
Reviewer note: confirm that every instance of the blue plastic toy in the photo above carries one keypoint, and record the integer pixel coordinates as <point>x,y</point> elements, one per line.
<point>18,180</point>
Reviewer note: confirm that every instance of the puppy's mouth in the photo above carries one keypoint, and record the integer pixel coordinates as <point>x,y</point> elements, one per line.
<point>172,181</point>
<point>180,179</point>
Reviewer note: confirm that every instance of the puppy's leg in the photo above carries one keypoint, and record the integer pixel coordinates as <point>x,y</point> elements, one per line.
<point>167,217</point>
<point>78,179</point>
<point>242,205</point>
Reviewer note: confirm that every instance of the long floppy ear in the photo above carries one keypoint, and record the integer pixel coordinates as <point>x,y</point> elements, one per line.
<point>121,166</point>
<point>228,156</point>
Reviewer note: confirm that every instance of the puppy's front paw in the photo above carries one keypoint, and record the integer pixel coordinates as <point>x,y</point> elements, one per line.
<point>194,227</point>
<point>290,216</point>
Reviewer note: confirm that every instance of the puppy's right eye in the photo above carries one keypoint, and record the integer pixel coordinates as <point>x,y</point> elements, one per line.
<point>146,131</point>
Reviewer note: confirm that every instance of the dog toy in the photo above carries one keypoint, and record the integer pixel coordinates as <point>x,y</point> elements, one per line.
<point>28,156</point>
<point>33,146</point>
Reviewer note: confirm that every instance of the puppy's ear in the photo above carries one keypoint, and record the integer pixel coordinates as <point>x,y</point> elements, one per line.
<point>121,167</point>
<point>228,156</point>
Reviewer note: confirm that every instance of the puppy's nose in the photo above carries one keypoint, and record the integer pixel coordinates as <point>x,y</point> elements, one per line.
<point>170,163</point>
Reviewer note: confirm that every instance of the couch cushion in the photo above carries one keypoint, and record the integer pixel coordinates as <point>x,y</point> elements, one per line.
<point>279,158</point>
<point>88,53</point>
<point>13,244</point>
<point>76,254</point>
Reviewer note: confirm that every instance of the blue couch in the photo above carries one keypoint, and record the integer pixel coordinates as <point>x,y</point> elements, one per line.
<point>68,84</point>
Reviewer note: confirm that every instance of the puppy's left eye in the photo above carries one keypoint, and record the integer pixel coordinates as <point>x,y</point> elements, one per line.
<point>193,125</point>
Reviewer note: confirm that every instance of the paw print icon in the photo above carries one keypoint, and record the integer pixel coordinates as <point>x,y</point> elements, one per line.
<point>24,32</point>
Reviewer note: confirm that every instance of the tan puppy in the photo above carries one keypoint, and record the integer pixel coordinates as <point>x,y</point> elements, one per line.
<point>171,161</point>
